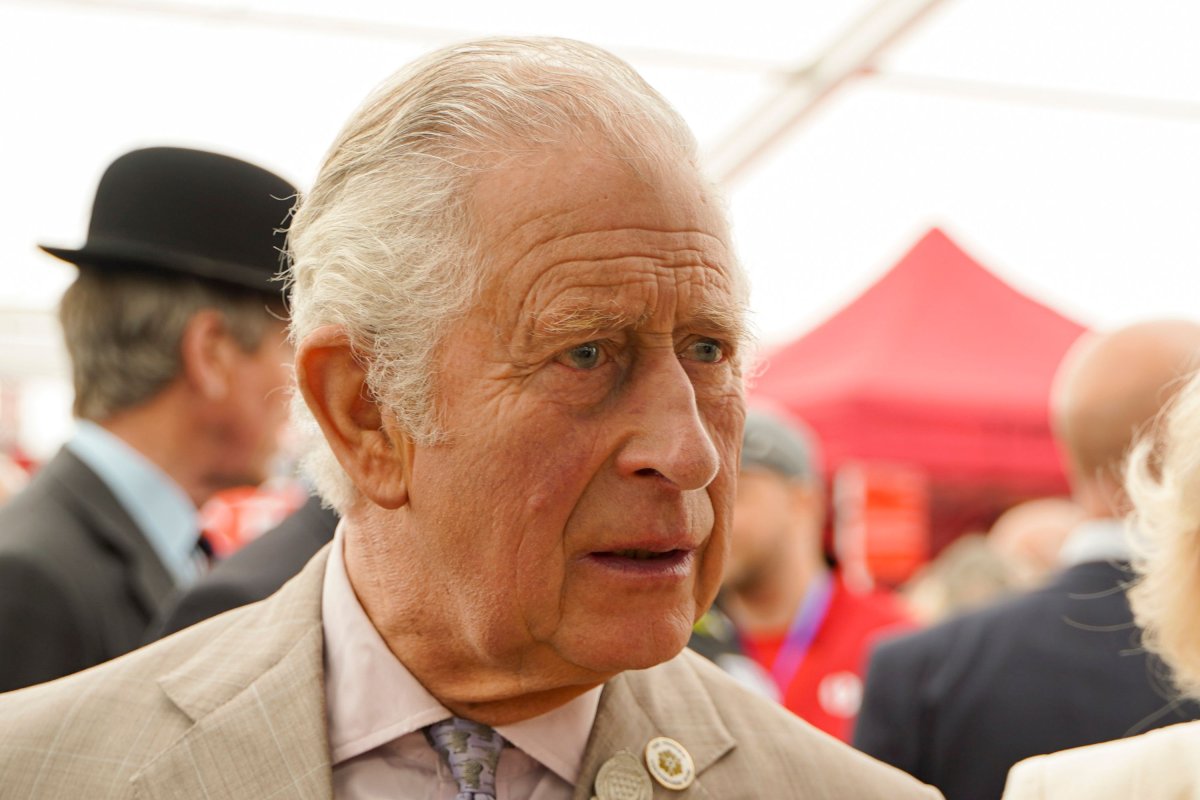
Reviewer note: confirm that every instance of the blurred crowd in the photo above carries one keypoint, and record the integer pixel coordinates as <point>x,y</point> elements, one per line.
<point>1067,623</point>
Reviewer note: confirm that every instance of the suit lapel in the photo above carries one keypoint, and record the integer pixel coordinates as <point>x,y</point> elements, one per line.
<point>668,700</point>
<point>256,695</point>
<point>106,519</point>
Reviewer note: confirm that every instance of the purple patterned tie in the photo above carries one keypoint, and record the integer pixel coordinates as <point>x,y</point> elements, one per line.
<point>472,751</point>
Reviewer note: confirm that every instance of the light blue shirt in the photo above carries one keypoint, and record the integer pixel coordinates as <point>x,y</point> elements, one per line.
<point>161,509</point>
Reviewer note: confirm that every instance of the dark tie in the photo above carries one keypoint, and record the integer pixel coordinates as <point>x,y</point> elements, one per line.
<point>472,751</point>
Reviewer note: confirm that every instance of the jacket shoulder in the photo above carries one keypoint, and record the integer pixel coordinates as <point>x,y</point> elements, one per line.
<point>54,520</point>
<point>957,640</point>
<point>776,752</point>
<point>255,572</point>
<point>1149,765</point>
<point>85,735</point>
<point>88,734</point>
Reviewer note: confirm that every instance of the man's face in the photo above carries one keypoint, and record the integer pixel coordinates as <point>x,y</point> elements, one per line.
<point>579,507</point>
<point>252,415</point>
<point>763,519</point>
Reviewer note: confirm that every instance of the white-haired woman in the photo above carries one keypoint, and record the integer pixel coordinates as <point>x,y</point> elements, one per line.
<point>1163,480</point>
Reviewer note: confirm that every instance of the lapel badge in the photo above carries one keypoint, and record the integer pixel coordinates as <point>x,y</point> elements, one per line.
<point>670,764</point>
<point>622,778</point>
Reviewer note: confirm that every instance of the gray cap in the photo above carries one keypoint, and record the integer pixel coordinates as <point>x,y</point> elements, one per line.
<point>783,446</point>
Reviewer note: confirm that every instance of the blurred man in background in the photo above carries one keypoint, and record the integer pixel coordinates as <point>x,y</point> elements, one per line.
<point>960,703</point>
<point>789,612</point>
<point>180,366</point>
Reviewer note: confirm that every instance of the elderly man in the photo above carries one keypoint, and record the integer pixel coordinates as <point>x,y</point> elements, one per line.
<point>960,703</point>
<point>179,361</point>
<point>519,331</point>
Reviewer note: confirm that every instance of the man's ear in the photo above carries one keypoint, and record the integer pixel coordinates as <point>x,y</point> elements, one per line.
<point>206,352</point>
<point>333,382</point>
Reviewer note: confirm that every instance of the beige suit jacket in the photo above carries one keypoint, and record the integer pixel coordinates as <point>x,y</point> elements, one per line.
<point>234,708</point>
<point>1163,764</point>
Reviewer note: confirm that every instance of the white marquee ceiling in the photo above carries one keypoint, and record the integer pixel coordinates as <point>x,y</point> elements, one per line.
<point>1058,141</point>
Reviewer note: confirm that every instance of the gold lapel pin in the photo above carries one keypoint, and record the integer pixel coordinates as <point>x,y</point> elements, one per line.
<point>670,763</point>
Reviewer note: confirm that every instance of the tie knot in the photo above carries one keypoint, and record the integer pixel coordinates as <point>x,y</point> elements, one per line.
<point>472,750</point>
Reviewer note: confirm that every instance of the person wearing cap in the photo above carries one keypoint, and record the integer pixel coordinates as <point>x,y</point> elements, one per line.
<point>179,360</point>
<point>790,612</point>
<point>519,330</point>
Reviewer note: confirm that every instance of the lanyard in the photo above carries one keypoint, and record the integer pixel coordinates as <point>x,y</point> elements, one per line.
<point>802,631</point>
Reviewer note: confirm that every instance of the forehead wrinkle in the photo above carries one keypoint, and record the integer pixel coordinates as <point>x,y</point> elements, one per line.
<point>681,247</point>
<point>544,230</point>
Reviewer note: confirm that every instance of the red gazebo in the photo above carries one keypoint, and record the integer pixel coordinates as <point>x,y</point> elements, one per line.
<point>941,366</point>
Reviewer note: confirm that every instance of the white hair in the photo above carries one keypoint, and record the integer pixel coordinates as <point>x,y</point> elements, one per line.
<point>383,245</point>
<point>1163,481</point>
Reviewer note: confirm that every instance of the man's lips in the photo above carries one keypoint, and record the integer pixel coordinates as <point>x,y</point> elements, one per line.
<point>640,555</point>
<point>674,562</point>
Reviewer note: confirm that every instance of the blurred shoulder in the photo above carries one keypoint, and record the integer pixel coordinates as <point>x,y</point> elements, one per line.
<point>54,735</point>
<point>87,734</point>
<point>1161,763</point>
<point>130,679</point>
<point>967,630</point>
<point>54,518</point>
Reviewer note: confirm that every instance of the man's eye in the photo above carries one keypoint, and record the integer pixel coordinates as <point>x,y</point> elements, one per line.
<point>584,356</point>
<point>708,351</point>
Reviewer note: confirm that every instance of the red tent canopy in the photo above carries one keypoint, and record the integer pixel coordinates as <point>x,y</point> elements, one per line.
<point>939,364</point>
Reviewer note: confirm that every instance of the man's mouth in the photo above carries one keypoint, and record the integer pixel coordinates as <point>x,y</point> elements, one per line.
<point>645,563</point>
<point>642,555</point>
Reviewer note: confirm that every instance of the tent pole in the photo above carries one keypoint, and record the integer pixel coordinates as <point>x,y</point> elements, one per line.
<point>852,52</point>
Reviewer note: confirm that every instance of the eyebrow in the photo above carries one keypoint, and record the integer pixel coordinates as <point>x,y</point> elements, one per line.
<point>726,320</point>
<point>581,320</point>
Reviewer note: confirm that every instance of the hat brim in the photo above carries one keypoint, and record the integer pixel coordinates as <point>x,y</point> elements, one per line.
<point>139,257</point>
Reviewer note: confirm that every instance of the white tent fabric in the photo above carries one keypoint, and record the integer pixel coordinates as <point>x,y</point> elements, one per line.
<point>1056,141</point>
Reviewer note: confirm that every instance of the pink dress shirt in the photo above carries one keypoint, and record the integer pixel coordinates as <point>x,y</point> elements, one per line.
<point>376,711</point>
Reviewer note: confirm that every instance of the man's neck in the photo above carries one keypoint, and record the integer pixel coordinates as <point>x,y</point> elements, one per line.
<point>156,430</point>
<point>497,690</point>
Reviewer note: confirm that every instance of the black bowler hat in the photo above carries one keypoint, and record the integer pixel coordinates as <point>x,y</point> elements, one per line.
<point>170,209</point>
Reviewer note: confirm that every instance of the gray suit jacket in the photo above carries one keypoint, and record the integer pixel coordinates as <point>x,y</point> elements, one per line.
<point>234,708</point>
<point>79,583</point>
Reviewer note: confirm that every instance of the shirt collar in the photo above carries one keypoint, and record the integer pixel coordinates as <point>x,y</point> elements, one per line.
<point>360,669</point>
<point>158,506</point>
<point>1096,540</point>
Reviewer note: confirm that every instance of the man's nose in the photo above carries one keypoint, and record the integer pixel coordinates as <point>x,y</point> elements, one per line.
<point>668,436</point>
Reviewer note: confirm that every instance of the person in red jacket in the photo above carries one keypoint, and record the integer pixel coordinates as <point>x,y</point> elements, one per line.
<point>792,613</point>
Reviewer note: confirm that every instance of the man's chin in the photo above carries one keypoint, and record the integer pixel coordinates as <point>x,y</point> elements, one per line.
<point>618,650</point>
<point>238,480</point>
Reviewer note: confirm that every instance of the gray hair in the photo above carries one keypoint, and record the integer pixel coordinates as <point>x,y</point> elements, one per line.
<point>383,245</point>
<point>123,331</point>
